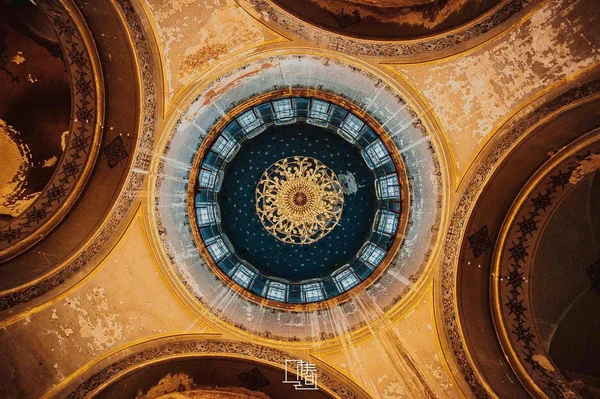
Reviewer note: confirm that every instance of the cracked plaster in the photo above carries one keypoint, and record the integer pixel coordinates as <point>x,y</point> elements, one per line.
<point>471,94</point>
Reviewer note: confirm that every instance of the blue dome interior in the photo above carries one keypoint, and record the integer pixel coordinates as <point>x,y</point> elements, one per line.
<point>261,249</point>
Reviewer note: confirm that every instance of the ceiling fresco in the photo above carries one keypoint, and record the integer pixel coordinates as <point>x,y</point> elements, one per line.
<point>254,199</point>
<point>388,19</point>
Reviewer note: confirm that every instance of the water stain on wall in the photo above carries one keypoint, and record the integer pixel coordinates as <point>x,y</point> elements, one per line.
<point>387,19</point>
<point>196,34</point>
<point>35,107</point>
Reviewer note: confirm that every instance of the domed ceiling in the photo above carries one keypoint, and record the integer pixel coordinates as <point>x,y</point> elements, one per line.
<point>298,198</point>
<point>50,119</point>
<point>398,197</point>
<point>68,136</point>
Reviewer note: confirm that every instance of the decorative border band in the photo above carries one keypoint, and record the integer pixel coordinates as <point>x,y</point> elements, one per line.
<point>388,49</point>
<point>512,271</point>
<point>459,222</point>
<point>204,347</point>
<point>83,144</point>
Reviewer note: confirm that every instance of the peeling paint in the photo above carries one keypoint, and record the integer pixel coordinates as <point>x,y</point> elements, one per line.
<point>18,59</point>
<point>168,384</point>
<point>50,162</point>
<point>586,166</point>
<point>474,93</point>
<point>102,328</point>
<point>16,162</point>
<point>196,34</point>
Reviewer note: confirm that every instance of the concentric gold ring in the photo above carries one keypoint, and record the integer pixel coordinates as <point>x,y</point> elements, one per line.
<point>299,200</point>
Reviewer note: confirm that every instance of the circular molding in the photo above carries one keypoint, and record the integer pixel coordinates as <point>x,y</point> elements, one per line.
<point>459,222</point>
<point>271,14</point>
<point>185,268</point>
<point>367,277</point>
<point>83,142</point>
<point>512,268</point>
<point>131,187</point>
<point>189,347</point>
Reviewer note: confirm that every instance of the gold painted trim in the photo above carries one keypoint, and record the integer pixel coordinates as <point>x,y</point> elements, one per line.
<point>482,380</point>
<point>54,391</point>
<point>494,38</point>
<point>329,33</point>
<point>63,209</point>
<point>518,109</point>
<point>166,279</point>
<point>432,118</point>
<point>496,301</point>
<point>104,361</point>
<point>490,43</point>
<point>469,169</point>
<point>440,340</point>
<point>252,360</point>
<point>381,133</point>
<point>83,281</point>
<point>523,137</point>
<point>71,258</point>
<point>155,49</point>
<point>359,333</point>
<point>170,102</point>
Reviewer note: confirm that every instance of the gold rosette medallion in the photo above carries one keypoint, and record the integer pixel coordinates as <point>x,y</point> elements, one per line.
<point>299,200</point>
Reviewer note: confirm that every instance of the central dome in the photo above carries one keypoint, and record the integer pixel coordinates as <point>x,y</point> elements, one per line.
<point>283,207</point>
<point>217,251</point>
<point>299,200</point>
<point>296,200</point>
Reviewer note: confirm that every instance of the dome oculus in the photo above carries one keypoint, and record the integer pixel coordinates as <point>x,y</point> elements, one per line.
<point>299,200</point>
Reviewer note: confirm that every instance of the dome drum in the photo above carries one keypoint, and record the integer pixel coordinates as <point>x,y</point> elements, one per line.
<point>382,169</point>
<point>385,186</point>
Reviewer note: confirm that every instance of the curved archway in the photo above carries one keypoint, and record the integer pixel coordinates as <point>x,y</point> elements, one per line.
<point>98,211</point>
<point>164,365</point>
<point>476,225</point>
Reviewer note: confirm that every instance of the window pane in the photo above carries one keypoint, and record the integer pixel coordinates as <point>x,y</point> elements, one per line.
<point>243,276</point>
<point>352,125</point>
<point>372,255</point>
<point>205,212</point>
<point>217,248</point>
<point>207,178</point>
<point>378,153</point>
<point>276,291</point>
<point>346,280</point>
<point>248,121</point>
<point>223,146</point>
<point>388,187</point>
<point>283,109</point>
<point>388,223</point>
<point>312,292</point>
<point>319,110</point>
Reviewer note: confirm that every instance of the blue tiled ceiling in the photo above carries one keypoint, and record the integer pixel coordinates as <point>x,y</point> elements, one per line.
<point>240,221</point>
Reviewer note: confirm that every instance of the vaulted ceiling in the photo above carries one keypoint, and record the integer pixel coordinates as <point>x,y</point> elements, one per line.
<point>196,196</point>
